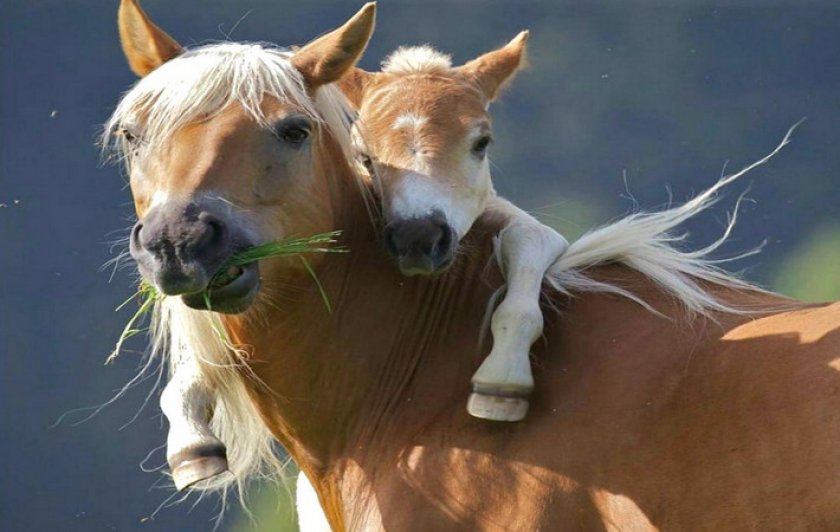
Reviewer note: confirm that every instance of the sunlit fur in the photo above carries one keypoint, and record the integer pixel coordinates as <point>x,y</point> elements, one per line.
<point>207,79</point>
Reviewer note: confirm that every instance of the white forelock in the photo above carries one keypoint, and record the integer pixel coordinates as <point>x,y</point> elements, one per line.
<point>416,60</point>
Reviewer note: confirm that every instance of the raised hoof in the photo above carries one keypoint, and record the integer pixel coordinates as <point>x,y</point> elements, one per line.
<point>497,407</point>
<point>191,466</point>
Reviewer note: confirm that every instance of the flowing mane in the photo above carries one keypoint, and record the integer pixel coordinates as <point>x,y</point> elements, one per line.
<point>207,79</point>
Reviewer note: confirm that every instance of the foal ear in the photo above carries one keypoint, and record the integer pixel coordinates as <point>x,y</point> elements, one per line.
<point>492,70</point>
<point>145,45</point>
<point>353,85</point>
<point>331,56</point>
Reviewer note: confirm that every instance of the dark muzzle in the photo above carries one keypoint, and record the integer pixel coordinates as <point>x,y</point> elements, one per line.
<point>180,246</point>
<point>421,246</point>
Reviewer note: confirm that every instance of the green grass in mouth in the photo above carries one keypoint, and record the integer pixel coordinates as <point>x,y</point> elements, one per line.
<point>147,295</point>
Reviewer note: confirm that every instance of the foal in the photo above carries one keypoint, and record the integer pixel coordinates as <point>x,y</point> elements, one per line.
<point>422,134</point>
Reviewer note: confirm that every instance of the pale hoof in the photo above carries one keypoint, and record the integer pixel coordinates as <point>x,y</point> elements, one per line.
<point>191,466</point>
<point>497,407</point>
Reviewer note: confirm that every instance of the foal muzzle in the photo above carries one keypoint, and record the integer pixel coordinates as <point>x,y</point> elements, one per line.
<point>421,246</point>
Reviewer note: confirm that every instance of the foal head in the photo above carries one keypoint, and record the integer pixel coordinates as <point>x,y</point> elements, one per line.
<point>422,132</point>
<point>227,146</point>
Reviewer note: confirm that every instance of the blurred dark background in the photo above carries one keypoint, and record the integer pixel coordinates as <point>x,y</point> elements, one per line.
<point>624,101</point>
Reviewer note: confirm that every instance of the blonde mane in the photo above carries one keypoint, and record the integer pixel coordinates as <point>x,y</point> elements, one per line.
<point>205,80</point>
<point>416,60</point>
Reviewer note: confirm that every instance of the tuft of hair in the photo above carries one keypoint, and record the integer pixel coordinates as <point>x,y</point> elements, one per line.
<point>416,60</point>
<point>645,242</point>
<point>206,80</point>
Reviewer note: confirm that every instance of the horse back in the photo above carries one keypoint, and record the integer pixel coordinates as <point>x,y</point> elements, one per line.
<point>641,422</point>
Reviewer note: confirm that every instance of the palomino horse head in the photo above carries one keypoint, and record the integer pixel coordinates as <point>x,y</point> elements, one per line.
<point>423,132</point>
<point>226,146</point>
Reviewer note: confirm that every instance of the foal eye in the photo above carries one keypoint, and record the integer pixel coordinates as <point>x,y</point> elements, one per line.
<point>481,144</point>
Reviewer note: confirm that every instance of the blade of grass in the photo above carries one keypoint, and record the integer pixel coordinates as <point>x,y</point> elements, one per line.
<point>148,297</point>
<point>324,295</point>
<point>147,294</point>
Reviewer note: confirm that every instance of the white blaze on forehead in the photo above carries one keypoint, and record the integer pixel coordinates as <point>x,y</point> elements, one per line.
<point>409,120</point>
<point>419,196</point>
<point>411,124</point>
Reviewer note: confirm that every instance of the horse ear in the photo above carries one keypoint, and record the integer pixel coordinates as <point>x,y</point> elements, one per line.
<point>492,70</point>
<point>353,85</point>
<point>145,45</point>
<point>331,56</point>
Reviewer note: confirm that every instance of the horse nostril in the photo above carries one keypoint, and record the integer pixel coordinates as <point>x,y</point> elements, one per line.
<point>135,235</point>
<point>215,231</point>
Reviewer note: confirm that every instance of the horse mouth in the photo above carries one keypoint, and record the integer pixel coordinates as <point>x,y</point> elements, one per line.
<point>230,292</point>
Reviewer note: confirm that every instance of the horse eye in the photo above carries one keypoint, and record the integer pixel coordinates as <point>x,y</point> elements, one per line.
<point>367,162</point>
<point>293,135</point>
<point>480,146</point>
<point>127,135</point>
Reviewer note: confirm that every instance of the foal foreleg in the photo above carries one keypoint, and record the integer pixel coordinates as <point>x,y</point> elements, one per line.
<point>504,381</point>
<point>192,450</point>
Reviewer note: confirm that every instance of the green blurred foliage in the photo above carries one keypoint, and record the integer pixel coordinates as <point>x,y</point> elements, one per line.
<point>272,509</point>
<point>572,218</point>
<point>809,272</point>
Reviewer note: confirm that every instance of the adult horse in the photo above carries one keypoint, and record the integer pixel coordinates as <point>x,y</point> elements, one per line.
<point>638,421</point>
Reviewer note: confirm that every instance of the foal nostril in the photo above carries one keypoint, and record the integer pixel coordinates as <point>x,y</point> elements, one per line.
<point>391,240</point>
<point>420,245</point>
<point>443,242</point>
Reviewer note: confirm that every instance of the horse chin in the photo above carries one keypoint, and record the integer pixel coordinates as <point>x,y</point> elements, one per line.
<point>234,297</point>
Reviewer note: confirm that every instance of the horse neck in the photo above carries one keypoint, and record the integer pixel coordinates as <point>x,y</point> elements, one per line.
<point>393,351</point>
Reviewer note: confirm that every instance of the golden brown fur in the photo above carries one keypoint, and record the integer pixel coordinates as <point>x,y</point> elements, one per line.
<point>638,421</point>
